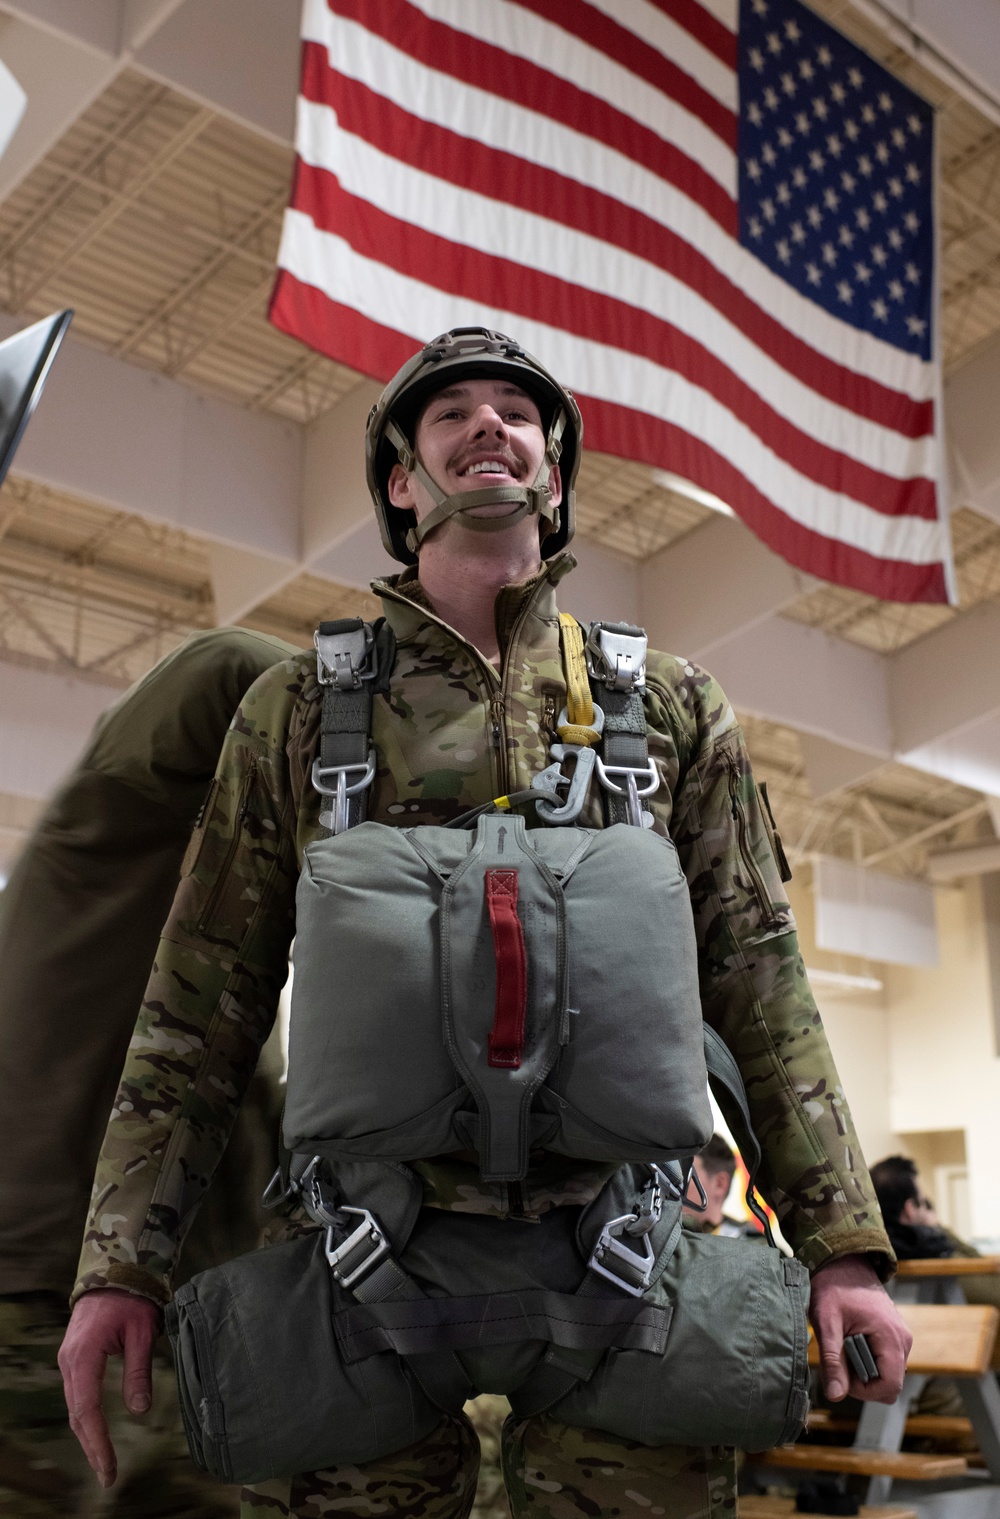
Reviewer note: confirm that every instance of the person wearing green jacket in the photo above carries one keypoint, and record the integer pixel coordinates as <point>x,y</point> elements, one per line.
<point>79,923</point>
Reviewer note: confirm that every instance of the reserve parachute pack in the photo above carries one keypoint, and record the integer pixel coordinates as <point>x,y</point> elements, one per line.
<point>489,987</point>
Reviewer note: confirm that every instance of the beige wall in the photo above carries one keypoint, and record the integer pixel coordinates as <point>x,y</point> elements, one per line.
<point>918,1060</point>
<point>943,1057</point>
<point>857,1027</point>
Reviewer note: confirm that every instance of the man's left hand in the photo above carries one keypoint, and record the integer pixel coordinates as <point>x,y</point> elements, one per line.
<point>848,1298</point>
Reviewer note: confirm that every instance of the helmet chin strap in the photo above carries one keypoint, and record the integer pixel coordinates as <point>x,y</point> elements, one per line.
<point>534,500</point>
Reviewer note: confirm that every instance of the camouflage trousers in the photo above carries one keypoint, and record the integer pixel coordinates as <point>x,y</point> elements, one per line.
<point>43,1472</point>
<point>549,1470</point>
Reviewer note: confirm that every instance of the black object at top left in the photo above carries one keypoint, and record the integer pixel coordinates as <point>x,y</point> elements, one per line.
<point>25,361</point>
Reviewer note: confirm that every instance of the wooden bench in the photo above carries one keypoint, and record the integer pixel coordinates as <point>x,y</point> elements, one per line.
<point>948,1340</point>
<point>764,1506</point>
<point>949,1265</point>
<point>865,1463</point>
<point>921,1426</point>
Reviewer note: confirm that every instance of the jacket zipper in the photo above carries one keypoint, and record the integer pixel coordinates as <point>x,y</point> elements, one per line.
<point>497,706</point>
<point>758,889</point>
<point>496,721</point>
<point>234,844</point>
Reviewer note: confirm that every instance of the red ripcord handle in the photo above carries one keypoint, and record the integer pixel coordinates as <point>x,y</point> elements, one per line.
<point>506,1041</point>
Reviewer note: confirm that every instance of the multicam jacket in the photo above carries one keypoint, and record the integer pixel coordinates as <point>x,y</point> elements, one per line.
<point>452,732</point>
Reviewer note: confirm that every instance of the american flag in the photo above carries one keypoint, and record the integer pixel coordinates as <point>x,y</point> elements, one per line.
<point>717,229</point>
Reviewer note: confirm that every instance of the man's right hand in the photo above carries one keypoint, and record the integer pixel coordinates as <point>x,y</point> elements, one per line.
<point>105,1323</point>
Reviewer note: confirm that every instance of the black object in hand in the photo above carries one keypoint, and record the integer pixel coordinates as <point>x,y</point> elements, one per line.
<point>860,1358</point>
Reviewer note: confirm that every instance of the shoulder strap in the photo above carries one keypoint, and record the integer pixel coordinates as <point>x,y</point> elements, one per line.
<point>354,660</point>
<point>616,661</point>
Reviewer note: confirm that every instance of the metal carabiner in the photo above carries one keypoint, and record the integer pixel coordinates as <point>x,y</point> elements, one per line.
<point>578,783</point>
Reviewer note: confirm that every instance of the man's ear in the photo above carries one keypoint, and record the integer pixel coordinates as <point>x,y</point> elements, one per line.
<point>401,488</point>
<point>555,484</point>
<point>721,1183</point>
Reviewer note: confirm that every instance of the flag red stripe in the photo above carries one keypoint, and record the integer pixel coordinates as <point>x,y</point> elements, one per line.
<point>471,165</point>
<point>353,339</point>
<point>637,435</point>
<point>304,312</point>
<point>477,63</point>
<point>615,41</point>
<point>497,282</point>
<point>710,32</point>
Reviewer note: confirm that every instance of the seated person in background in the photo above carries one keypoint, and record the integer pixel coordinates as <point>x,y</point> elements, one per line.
<point>917,1233</point>
<point>715,1168</point>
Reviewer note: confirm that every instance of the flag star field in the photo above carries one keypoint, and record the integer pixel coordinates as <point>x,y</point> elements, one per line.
<point>835,173</point>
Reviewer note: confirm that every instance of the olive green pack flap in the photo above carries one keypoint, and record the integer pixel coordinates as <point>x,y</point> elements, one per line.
<point>395,952</point>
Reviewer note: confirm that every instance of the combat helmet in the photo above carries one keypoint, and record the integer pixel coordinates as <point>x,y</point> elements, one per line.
<point>471,353</point>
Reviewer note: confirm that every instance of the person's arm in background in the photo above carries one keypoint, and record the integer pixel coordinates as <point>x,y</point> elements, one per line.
<point>79,923</point>
<point>209,1005</point>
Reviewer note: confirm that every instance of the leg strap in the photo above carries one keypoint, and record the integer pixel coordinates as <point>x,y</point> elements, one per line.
<point>574,1322</point>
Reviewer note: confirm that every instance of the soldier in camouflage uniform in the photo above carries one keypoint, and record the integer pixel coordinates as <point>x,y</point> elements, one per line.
<point>469,715</point>
<point>79,923</point>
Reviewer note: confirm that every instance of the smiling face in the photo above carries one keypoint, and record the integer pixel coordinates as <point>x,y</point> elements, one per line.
<point>471,435</point>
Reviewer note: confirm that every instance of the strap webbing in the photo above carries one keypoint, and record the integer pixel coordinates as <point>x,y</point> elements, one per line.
<point>579,701</point>
<point>346,720</point>
<point>417,1326</point>
<point>439,1372</point>
<point>624,743</point>
<point>346,724</point>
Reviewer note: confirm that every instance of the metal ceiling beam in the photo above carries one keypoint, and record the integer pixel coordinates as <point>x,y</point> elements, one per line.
<point>118,204</point>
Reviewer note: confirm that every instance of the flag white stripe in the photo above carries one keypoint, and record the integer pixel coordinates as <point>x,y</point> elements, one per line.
<point>677,44</point>
<point>725,11</point>
<point>465,217</point>
<point>489,119</point>
<point>530,36</point>
<point>410,306</point>
<point>519,31</point>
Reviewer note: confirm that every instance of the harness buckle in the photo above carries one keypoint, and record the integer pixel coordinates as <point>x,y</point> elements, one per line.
<point>616,657</point>
<point>637,1268</point>
<point>359,1253</point>
<point>648,1207</point>
<point>336,817</point>
<point>631,789</point>
<point>346,657</point>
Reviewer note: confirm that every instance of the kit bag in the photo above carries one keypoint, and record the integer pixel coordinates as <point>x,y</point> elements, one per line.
<point>282,1371</point>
